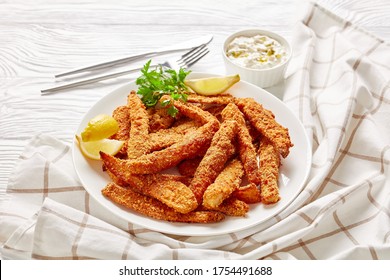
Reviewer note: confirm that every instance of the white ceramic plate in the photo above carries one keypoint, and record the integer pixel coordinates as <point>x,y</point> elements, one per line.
<point>294,170</point>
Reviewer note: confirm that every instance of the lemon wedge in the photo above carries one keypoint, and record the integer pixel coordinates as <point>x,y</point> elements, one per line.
<point>91,149</point>
<point>100,127</point>
<point>212,85</point>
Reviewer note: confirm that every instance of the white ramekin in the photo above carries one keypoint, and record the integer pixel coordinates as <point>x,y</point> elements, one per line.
<point>261,77</point>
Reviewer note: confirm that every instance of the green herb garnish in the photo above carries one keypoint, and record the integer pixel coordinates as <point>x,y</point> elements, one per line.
<point>154,83</point>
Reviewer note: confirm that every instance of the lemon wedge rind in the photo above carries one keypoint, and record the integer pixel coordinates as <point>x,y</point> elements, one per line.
<point>91,149</point>
<point>212,85</point>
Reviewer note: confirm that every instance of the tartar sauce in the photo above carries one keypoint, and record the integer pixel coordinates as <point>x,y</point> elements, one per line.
<point>257,52</point>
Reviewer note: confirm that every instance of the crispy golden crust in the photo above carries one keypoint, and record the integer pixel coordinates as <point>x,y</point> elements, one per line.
<point>166,137</point>
<point>249,194</point>
<point>153,208</point>
<point>233,207</point>
<point>216,111</point>
<point>139,129</point>
<point>221,99</point>
<point>179,178</point>
<point>264,121</point>
<point>192,144</point>
<point>122,115</point>
<point>166,188</point>
<point>224,185</point>
<point>194,112</point>
<point>188,166</point>
<point>230,207</point>
<point>116,179</point>
<point>159,119</point>
<point>246,149</point>
<point>173,193</point>
<point>269,167</point>
<point>215,158</point>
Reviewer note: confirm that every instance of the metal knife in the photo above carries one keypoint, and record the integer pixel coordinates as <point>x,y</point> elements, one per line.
<point>174,48</point>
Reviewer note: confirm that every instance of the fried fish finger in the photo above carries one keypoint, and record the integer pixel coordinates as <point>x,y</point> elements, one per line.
<point>221,99</point>
<point>215,158</point>
<point>249,194</point>
<point>192,145</point>
<point>178,178</point>
<point>166,137</point>
<point>233,207</point>
<point>139,128</point>
<point>230,207</point>
<point>173,193</point>
<point>224,185</point>
<point>159,119</point>
<point>269,167</point>
<point>246,149</point>
<point>122,116</point>
<point>188,167</point>
<point>216,111</point>
<point>194,112</point>
<point>153,208</point>
<point>264,121</point>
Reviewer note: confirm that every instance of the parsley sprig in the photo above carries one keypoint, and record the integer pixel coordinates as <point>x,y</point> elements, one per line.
<point>154,83</point>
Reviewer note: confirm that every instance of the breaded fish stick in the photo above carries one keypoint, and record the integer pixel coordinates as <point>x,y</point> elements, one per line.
<point>224,185</point>
<point>159,119</point>
<point>166,137</point>
<point>269,168</point>
<point>215,158</point>
<point>139,128</point>
<point>192,144</point>
<point>246,149</point>
<point>220,99</point>
<point>153,208</point>
<point>188,167</point>
<point>249,194</point>
<point>172,177</point>
<point>194,112</point>
<point>172,193</point>
<point>122,115</point>
<point>216,111</point>
<point>232,207</point>
<point>163,188</point>
<point>264,121</point>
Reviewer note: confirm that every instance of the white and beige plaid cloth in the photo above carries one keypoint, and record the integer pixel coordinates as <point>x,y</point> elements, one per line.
<point>338,85</point>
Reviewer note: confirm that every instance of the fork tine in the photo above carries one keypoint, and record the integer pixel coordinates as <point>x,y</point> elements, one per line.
<point>189,55</point>
<point>188,62</point>
<point>192,51</point>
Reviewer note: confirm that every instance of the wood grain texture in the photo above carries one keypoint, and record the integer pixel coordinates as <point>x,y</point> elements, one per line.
<point>48,37</point>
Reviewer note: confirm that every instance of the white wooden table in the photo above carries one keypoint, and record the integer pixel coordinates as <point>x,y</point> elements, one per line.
<point>46,37</point>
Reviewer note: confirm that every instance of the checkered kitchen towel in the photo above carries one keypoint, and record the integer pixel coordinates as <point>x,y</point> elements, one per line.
<point>338,85</point>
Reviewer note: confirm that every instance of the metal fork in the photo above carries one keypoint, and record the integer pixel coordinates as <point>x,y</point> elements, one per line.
<point>185,61</point>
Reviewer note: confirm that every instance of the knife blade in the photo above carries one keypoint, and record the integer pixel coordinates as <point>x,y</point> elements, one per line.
<point>174,48</point>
